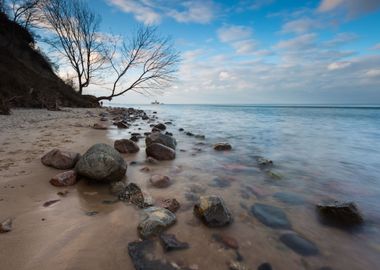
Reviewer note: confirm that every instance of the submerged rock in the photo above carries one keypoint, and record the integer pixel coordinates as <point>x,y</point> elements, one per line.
<point>6,226</point>
<point>170,204</point>
<point>264,266</point>
<point>99,126</point>
<point>160,138</point>
<point>141,256</point>
<point>289,198</point>
<point>222,147</point>
<point>102,163</point>
<point>160,181</point>
<point>154,221</point>
<point>220,182</point>
<point>340,213</point>
<point>121,125</point>
<point>226,240</point>
<point>213,211</point>
<point>160,126</point>
<point>126,146</point>
<point>59,159</point>
<point>160,152</point>
<point>68,178</point>
<point>133,194</point>
<point>118,187</point>
<point>270,216</point>
<point>170,242</point>
<point>299,244</point>
<point>263,162</point>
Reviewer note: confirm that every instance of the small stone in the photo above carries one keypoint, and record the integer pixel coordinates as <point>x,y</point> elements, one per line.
<point>170,204</point>
<point>59,159</point>
<point>154,221</point>
<point>263,162</point>
<point>213,211</point>
<point>134,138</point>
<point>145,169</point>
<point>160,126</point>
<point>270,216</point>
<point>170,242</point>
<point>180,129</point>
<point>91,213</point>
<point>233,265</point>
<point>264,266</point>
<point>299,244</point>
<point>68,178</point>
<point>126,146</point>
<point>226,240</point>
<point>340,213</point>
<point>220,182</point>
<point>133,194</point>
<point>48,203</point>
<point>99,126</point>
<point>121,125</point>
<point>160,181</point>
<point>117,188</point>
<point>200,137</point>
<point>63,193</point>
<point>189,134</point>
<point>6,226</point>
<point>222,147</point>
<point>151,160</point>
<point>289,198</point>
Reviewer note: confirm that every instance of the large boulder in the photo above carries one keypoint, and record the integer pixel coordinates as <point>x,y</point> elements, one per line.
<point>212,211</point>
<point>157,137</point>
<point>102,163</point>
<point>126,146</point>
<point>59,159</point>
<point>154,221</point>
<point>160,152</point>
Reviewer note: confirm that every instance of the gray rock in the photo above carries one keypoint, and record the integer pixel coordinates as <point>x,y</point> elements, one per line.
<point>160,126</point>
<point>133,194</point>
<point>59,159</point>
<point>213,211</point>
<point>222,147</point>
<point>154,221</point>
<point>118,187</point>
<point>126,146</point>
<point>340,213</point>
<point>160,181</point>
<point>270,216</point>
<point>220,182</point>
<point>299,244</point>
<point>102,163</point>
<point>289,198</point>
<point>160,152</point>
<point>6,226</point>
<point>170,242</point>
<point>264,266</point>
<point>160,138</point>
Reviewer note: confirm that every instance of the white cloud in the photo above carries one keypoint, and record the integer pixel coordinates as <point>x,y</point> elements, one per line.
<point>373,73</point>
<point>300,25</point>
<point>195,11</point>
<point>297,43</point>
<point>338,65</point>
<point>239,37</point>
<point>141,12</point>
<point>376,47</point>
<point>353,8</point>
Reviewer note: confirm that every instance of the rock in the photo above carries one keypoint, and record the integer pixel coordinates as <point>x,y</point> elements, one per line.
<point>103,119</point>
<point>62,160</point>
<point>340,213</point>
<point>145,169</point>
<point>161,139</point>
<point>299,244</point>
<point>118,187</point>
<point>92,213</point>
<point>151,160</point>
<point>200,137</point>
<point>102,163</point>
<point>180,129</point>
<point>263,162</point>
<point>168,123</point>
<point>160,126</point>
<point>170,242</point>
<point>134,138</point>
<point>233,265</point>
<point>160,152</point>
<point>68,178</point>
<point>141,256</point>
<point>289,198</point>
<point>154,221</point>
<point>227,241</point>
<point>48,203</point>
<point>189,134</point>
<point>212,211</point>
<point>126,146</point>
<point>274,175</point>
<point>264,266</point>
<point>270,216</point>
<point>63,193</point>
<point>170,204</point>
<point>191,196</point>
<point>121,125</point>
<point>99,126</point>
<point>222,147</point>
<point>6,226</point>
<point>168,133</point>
<point>220,182</point>
<point>160,181</point>
<point>133,194</point>
<point>197,188</point>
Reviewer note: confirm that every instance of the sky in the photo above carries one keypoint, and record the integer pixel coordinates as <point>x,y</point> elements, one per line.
<point>259,51</point>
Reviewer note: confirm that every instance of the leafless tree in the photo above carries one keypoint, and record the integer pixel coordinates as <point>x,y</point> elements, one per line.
<point>76,37</point>
<point>147,63</point>
<point>24,12</point>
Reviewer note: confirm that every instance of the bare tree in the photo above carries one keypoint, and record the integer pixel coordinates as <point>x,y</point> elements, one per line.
<point>76,37</point>
<point>147,63</point>
<point>24,12</point>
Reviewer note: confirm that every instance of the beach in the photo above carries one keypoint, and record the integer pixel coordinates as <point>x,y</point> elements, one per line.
<point>88,229</point>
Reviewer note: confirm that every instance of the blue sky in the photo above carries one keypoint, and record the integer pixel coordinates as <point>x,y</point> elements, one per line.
<point>260,51</point>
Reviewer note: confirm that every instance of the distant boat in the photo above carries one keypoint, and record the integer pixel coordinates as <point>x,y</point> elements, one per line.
<point>155,102</point>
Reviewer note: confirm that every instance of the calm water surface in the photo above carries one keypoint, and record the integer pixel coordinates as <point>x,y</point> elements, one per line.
<point>320,153</point>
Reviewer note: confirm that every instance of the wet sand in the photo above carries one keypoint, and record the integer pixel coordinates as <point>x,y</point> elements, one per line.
<point>62,236</point>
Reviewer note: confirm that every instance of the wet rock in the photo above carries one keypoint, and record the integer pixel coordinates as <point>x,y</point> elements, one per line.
<point>118,187</point>
<point>270,216</point>
<point>233,265</point>
<point>289,198</point>
<point>168,123</point>
<point>264,266</point>
<point>59,159</point>
<point>191,196</point>
<point>340,213</point>
<point>213,211</point>
<point>6,226</point>
<point>48,203</point>
<point>99,126</point>
<point>160,181</point>
<point>220,182</point>
<point>197,188</point>
<point>226,240</point>
<point>170,204</point>
<point>121,125</point>
<point>170,242</point>
<point>160,138</point>
<point>68,178</point>
<point>134,138</point>
<point>189,134</point>
<point>168,133</point>
<point>263,162</point>
<point>140,253</point>
<point>299,244</point>
<point>109,201</point>
<point>102,163</point>
<point>133,194</point>
<point>103,119</point>
<point>222,147</point>
<point>160,152</point>
<point>160,126</point>
<point>92,213</point>
<point>180,129</point>
<point>274,175</point>
<point>151,160</point>
<point>154,221</point>
<point>200,137</point>
<point>126,146</point>
<point>63,193</point>
<point>145,169</point>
